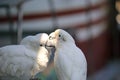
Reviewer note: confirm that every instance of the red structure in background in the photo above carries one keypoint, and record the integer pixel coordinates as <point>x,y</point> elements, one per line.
<point>97,51</point>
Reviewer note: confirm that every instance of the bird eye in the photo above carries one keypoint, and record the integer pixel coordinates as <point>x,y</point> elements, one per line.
<point>41,45</point>
<point>59,35</point>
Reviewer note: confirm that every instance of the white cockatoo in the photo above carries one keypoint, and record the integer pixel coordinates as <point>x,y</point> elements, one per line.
<point>69,61</point>
<point>24,61</point>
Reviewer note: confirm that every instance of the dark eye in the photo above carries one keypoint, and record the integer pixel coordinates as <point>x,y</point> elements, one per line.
<point>59,35</point>
<point>41,45</point>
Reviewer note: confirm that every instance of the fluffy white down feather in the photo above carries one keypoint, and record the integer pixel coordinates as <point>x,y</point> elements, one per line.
<point>69,61</point>
<point>22,62</point>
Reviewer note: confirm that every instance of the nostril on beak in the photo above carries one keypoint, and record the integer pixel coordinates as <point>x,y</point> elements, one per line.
<point>50,37</point>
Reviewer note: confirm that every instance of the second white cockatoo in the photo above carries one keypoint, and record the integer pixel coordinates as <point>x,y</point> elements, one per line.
<point>24,61</point>
<point>69,61</point>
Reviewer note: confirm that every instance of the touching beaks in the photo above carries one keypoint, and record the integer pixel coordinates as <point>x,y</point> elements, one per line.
<point>47,45</point>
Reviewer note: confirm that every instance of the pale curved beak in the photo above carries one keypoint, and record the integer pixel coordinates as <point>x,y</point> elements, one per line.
<point>49,45</point>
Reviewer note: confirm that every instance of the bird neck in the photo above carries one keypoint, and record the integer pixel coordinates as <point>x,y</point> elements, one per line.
<point>42,58</point>
<point>68,44</point>
<point>65,46</point>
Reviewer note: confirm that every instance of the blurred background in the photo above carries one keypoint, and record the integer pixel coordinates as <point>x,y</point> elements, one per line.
<point>94,24</point>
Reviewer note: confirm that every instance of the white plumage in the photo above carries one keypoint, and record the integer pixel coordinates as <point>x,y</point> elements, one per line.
<point>69,61</point>
<point>22,62</point>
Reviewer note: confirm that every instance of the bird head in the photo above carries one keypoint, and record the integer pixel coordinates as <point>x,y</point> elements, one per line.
<point>59,37</point>
<point>42,39</point>
<point>35,42</point>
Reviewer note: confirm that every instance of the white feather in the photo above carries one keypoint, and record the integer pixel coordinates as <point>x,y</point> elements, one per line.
<point>69,61</point>
<point>24,61</point>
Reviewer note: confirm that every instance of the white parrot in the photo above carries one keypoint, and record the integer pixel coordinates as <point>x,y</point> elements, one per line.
<point>24,61</point>
<point>69,61</point>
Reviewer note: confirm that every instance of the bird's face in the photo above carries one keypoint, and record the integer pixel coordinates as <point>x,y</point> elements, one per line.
<point>59,37</point>
<point>51,40</point>
<point>35,42</point>
<point>42,39</point>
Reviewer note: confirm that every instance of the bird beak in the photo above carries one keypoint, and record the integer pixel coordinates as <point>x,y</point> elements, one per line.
<point>48,45</point>
<point>50,48</point>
